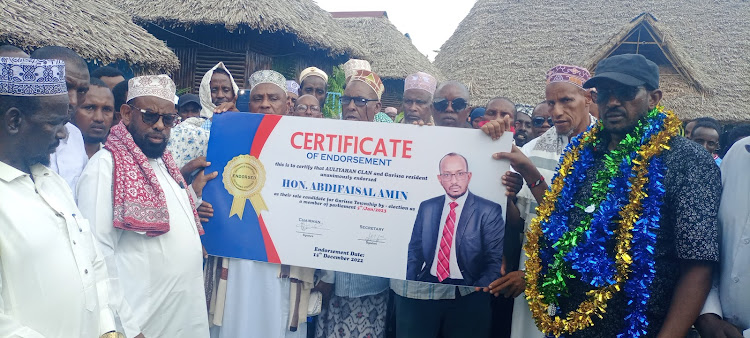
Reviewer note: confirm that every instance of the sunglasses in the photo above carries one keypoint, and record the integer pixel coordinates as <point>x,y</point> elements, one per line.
<point>539,121</point>
<point>358,101</point>
<point>458,104</point>
<point>150,118</point>
<point>622,93</point>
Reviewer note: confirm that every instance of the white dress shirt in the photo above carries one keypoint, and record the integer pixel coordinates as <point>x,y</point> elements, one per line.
<point>52,277</point>
<point>730,294</point>
<point>455,271</point>
<point>70,157</point>
<point>156,282</point>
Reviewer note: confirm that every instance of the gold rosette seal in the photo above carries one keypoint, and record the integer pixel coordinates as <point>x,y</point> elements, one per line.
<point>244,177</point>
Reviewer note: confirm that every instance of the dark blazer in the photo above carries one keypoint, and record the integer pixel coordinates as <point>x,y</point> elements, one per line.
<point>479,240</point>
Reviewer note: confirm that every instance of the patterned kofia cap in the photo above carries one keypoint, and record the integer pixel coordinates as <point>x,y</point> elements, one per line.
<point>160,86</point>
<point>32,77</point>
<point>371,79</point>
<point>267,76</point>
<point>566,73</point>
<point>525,109</point>
<point>421,80</point>
<point>313,71</point>
<point>292,87</point>
<point>353,65</point>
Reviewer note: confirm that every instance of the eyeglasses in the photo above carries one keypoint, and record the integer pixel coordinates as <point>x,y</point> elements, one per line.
<point>462,176</point>
<point>539,121</point>
<point>458,104</point>
<point>301,108</point>
<point>150,118</point>
<point>622,93</point>
<point>358,101</point>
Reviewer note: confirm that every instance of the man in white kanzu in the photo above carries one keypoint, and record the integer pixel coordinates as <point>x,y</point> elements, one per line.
<point>145,221</point>
<point>52,277</point>
<point>726,312</point>
<point>70,157</point>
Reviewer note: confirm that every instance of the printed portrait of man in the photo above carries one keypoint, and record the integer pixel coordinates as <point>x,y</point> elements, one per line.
<point>457,237</point>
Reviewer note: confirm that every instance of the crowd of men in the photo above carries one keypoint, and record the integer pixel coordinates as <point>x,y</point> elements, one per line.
<point>101,179</point>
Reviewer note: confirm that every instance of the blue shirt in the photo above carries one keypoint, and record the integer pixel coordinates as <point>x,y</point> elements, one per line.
<point>353,285</point>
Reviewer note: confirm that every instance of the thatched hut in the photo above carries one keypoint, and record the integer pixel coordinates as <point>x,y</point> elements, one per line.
<point>97,31</point>
<point>504,47</point>
<point>391,54</point>
<point>247,35</point>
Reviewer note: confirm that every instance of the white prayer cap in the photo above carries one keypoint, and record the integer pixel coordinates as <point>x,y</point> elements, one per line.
<point>32,77</point>
<point>292,87</point>
<point>421,80</point>
<point>310,71</point>
<point>353,65</point>
<point>160,86</point>
<point>267,76</point>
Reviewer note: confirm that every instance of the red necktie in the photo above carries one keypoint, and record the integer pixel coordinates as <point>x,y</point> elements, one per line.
<point>443,268</point>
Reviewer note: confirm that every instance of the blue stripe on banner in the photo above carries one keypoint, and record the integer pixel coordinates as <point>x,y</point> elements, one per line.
<point>231,135</point>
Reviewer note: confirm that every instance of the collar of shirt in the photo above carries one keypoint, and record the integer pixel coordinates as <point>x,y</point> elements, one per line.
<point>9,173</point>
<point>461,200</point>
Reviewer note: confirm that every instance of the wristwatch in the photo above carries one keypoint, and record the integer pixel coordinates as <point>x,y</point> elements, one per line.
<point>112,334</point>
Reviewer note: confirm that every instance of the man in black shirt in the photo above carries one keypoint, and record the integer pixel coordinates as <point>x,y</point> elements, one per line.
<point>686,246</point>
<point>666,282</point>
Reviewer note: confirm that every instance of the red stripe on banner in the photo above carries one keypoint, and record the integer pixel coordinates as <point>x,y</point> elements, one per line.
<point>273,256</point>
<point>261,135</point>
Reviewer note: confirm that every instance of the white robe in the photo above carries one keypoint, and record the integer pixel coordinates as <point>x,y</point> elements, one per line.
<point>257,303</point>
<point>544,152</point>
<point>70,157</point>
<point>157,282</point>
<point>52,277</point>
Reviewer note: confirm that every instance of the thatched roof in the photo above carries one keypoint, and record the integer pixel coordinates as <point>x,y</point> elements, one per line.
<point>303,18</point>
<point>95,30</point>
<point>391,54</point>
<point>504,47</point>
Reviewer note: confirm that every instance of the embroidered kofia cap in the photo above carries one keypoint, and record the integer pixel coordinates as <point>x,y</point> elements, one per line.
<point>421,80</point>
<point>160,86</point>
<point>267,76</point>
<point>313,71</point>
<point>566,73</point>
<point>525,109</point>
<point>353,65</point>
<point>292,87</point>
<point>32,77</point>
<point>371,79</point>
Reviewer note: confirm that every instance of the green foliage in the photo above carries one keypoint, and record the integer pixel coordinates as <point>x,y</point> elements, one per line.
<point>332,109</point>
<point>182,91</point>
<point>286,66</point>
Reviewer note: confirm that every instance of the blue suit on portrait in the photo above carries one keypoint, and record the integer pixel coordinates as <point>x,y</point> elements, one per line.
<point>479,241</point>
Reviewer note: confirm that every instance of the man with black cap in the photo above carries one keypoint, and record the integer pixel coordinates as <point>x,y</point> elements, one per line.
<point>189,105</point>
<point>626,237</point>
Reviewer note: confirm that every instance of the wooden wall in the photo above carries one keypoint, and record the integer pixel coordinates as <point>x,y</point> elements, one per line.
<point>243,52</point>
<point>394,93</point>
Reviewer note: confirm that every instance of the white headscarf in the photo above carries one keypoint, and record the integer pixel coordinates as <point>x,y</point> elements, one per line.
<point>207,106</point>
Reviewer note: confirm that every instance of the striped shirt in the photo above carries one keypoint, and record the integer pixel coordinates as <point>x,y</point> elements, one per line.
<point>353,285</point>
<point>427,291</point>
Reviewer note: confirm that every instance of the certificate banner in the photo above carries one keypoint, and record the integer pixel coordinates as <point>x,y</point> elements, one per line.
<point>358,197</point>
